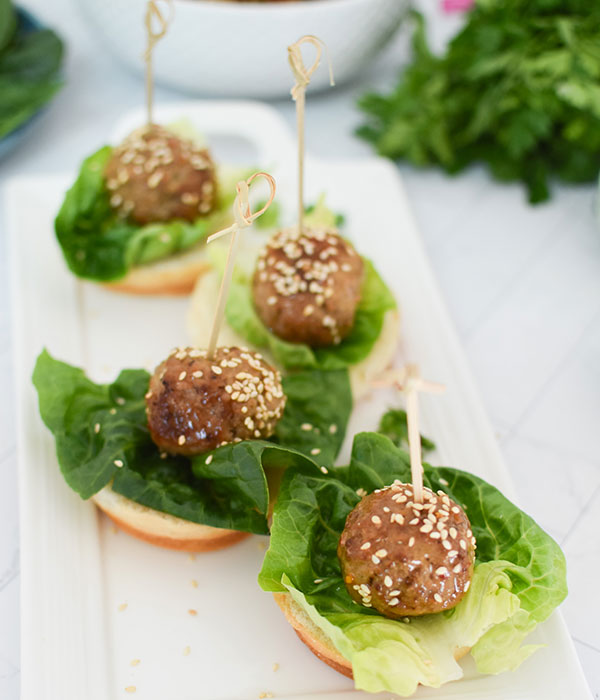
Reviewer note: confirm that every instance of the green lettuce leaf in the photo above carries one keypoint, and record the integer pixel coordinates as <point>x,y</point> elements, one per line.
<point>376,299</point>
<point>30,63</point>
<point>102,437</point>
<point>317,411</point>
<point>394,424</point>
<point>99,245</point>
<point>319,215</point>
<point>8,22</point>
<point>519,574</point>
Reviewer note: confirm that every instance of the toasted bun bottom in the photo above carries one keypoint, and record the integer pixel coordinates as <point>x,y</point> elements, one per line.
<point>317,641</point>
<point>311,635</point>
<point>175,275</point>
<point>199,323</point>
<point>162,529</point>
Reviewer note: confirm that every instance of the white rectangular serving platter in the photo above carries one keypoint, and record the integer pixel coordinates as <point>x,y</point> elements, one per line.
<point>78,571</point>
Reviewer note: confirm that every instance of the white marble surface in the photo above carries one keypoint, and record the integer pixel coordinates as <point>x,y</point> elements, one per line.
<point>522,285</point>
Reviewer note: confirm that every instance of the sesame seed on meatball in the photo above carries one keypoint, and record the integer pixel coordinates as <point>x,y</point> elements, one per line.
<point>195,404</point>
<point>307,286</point>
<point>156,176</point>
<point>405,558</point>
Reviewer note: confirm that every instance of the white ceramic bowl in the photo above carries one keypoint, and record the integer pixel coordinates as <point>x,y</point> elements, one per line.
<point>239,49</point>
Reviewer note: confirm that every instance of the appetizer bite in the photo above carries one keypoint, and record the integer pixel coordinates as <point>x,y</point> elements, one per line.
<point>392,591</point>
<point>403,557</point>
<point>178,458</point>
<point>308,299</point>
<point>155,175</point>
<point>196,403</point>
<point>306,287</point>
<point>138,213</point>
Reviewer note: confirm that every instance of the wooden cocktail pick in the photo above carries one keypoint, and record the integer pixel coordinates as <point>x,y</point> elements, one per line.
<point>156,27</point>
<point>409,380</point>
<point>303,76</point>
<point>243,218</point>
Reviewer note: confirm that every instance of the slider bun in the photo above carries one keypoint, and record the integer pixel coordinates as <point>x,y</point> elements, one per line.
<point>175,275</point>
<point>362,374</point>
<point>318,642</point>
<point>162,529</point>
<point>314,637</point>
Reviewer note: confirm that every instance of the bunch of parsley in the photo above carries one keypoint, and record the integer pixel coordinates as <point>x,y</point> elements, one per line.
<point>518,89</point>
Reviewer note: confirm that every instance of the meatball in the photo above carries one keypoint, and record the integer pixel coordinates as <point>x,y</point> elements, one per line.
<point>307,286</point>
<point>406,558</point>
<point>195,404</point>
<point>156,176</point>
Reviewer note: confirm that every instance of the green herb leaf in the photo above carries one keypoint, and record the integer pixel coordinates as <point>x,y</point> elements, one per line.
<point>516,89</point>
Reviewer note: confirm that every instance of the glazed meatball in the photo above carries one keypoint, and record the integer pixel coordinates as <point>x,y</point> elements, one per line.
<point>156,176</point>
<point>406,558</point>
<point>307,286</point>
<point>195,404</point>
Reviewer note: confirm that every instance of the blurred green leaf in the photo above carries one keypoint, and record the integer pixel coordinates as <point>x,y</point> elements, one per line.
<point>518,89</point>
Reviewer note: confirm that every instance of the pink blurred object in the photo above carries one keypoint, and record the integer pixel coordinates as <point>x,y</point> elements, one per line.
<point>457,5</point>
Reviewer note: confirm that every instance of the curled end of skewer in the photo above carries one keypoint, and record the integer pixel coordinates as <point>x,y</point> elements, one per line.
<point>244,216</point>
<point>301,73</point>
<point>156,24</point>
